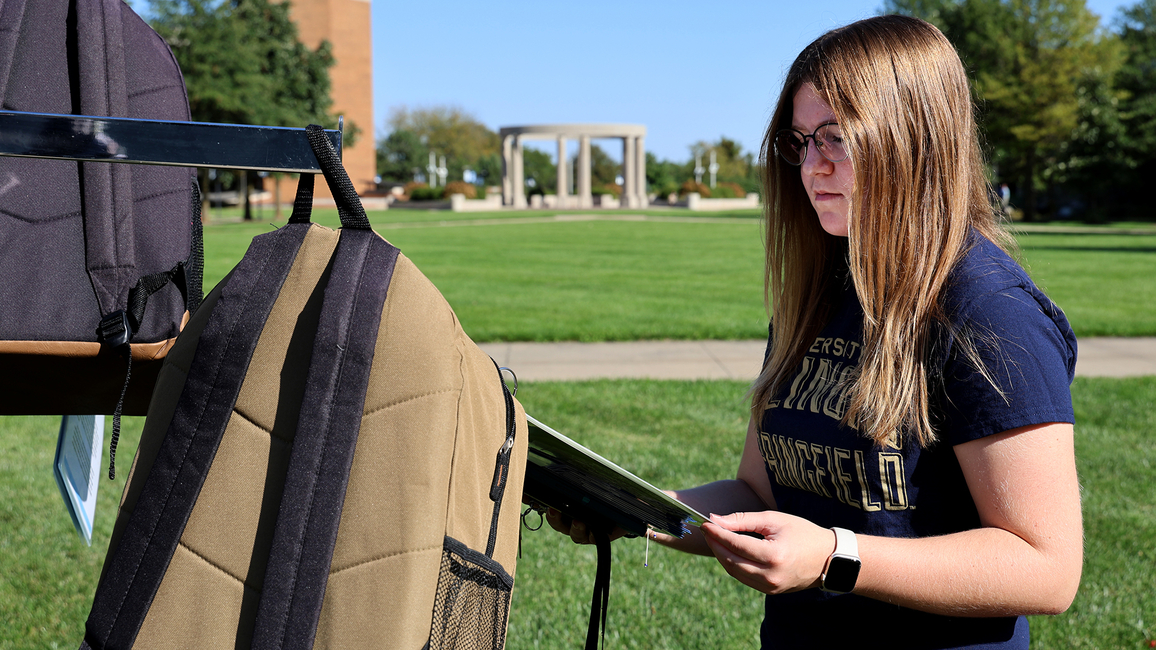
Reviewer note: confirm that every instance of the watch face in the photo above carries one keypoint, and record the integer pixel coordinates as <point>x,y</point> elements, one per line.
<point>842,573</point>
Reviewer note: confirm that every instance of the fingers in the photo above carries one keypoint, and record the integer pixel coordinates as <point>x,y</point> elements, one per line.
<point>577,530</point>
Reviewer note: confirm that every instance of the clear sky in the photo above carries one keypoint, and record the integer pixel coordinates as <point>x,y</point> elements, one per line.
<point>689,71</point>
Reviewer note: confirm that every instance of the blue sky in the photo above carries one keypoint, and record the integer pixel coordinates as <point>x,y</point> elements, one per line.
<point>689,71</point>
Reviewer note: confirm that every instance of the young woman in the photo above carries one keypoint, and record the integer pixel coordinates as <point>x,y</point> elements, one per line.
<point>908,472</point>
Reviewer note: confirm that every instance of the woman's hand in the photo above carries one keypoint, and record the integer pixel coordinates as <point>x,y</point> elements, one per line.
<point>790,556</point>
<point>577,530</point>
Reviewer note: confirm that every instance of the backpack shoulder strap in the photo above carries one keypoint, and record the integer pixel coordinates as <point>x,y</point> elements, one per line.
<point>110,248</point>
<point>11,26</point>
<point>332,406</point>
<point>134,571</point>
<point>323,446</point>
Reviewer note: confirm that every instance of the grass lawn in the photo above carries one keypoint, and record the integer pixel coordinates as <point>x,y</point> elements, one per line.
<point>1104,282</point>
<point>673,434</point>
<point>562,281</point>
<point>528,280</point>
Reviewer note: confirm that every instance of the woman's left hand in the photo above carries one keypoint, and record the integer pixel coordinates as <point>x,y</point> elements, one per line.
<point>790,556</point>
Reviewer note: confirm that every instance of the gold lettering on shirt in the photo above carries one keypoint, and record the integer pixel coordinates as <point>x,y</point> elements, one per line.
<point>891,481</point>
<point>864,492</point>
<point>842,478</point>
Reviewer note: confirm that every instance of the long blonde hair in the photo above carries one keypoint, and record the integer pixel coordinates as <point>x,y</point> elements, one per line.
<point>901,96</point>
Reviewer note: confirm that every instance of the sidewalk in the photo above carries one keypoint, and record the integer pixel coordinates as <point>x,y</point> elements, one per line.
<point>1098,357</point>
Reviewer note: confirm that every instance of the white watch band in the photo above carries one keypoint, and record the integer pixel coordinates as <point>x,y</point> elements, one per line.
<point>846,542</point>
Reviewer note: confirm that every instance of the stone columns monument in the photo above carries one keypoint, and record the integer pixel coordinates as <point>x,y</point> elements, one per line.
<point>633,162</point>
<point>583,189</point>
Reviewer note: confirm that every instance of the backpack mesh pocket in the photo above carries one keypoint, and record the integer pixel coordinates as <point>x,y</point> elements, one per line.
<point>472,602</point>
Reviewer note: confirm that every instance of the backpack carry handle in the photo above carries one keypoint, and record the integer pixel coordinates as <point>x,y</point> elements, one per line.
<point>349,206</point>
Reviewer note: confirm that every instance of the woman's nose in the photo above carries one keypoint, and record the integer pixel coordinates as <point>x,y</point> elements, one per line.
<point>813,161</point>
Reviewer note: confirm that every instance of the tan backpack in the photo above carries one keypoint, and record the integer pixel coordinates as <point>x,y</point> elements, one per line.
<point>327,459</point>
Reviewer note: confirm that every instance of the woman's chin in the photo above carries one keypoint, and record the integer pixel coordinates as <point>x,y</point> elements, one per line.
<point>834,224</point>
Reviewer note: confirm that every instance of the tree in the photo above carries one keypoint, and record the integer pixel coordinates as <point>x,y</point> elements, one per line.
<point>734,166</point>
<point>662,176</point>
<point>1030,63</point>
<point>401,155</point>
<point>451,132</point>
<point>243,63</point>
<point>604,171</point>
<point>540,172</point>
<point>1137,80</point>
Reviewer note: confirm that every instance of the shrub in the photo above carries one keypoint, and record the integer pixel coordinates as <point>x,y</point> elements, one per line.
<point>461,187</point>
<point>426,194</point>
<point>728,191</point>
<point>665,189</point>
<point>608,188</point>
<point>739,191</point>
<point>409,187</point>
<point>691,186</point>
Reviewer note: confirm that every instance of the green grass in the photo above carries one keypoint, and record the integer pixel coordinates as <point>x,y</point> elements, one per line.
<point>585,281</point>
<point>518,279</point>
<point>1103,282</point>
<point>677,434</point>
<point>670,433</point>
<point>47,574</point>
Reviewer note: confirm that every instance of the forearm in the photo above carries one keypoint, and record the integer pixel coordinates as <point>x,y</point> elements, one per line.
<point>980,572</point>
<point>720,497</point>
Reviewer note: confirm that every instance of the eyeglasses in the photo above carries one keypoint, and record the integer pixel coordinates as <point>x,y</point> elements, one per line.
<point>791,145</point>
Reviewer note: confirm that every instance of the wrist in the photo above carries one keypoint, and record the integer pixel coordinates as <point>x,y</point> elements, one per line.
<point>841,572</point>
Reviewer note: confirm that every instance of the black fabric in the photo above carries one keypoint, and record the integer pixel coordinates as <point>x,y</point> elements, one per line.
<point>334,400</point>
<point>194,268</point>
<point>600,601</point>
<point>472,601</point>
<point>303,202</point>
<point>219,366</point>
<point>501,465</point>
<point>349,206</point>
<point>57,57</point>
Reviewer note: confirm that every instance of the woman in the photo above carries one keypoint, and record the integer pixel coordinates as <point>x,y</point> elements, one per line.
<point>908,472</point>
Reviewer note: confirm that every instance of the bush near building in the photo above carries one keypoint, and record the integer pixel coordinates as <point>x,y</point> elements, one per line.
<point>461,187</point>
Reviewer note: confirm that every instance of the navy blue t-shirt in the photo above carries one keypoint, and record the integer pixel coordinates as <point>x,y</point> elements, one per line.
<point>834,476</point>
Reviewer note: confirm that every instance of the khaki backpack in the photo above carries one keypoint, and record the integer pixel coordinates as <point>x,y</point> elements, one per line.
<point>327,459</point>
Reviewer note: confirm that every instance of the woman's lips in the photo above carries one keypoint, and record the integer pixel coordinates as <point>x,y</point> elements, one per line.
<point>827,196</point>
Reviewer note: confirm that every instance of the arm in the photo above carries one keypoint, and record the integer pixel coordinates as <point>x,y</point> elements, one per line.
<point>1025,558</point>
<point>750,491</point>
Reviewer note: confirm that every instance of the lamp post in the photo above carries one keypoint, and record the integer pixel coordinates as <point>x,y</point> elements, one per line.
<point>713,168</point>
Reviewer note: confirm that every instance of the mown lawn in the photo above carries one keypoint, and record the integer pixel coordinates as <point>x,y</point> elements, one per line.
<point>511,277</point>
<point>672,434</point>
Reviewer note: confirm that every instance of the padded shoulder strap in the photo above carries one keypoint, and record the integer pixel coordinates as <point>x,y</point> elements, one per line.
<point>110,248</point>
<point>322,454</point>
<point>226,345</point>
<point>330,419</point>
<point>11,25</point>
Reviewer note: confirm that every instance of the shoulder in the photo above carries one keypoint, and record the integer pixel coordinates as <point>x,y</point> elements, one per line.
<point>989,292</point>
<point>1019,353</point>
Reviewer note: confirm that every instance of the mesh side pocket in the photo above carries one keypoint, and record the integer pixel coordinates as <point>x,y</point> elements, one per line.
<point>472,602</point>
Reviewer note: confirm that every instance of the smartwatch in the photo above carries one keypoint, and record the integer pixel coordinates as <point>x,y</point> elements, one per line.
<point>842,568</point>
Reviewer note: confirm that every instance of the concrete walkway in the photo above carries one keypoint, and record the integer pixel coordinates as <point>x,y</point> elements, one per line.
<point>1098,357</point>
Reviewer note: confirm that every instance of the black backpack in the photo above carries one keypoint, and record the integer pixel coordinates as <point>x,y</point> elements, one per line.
<point>96,259</point>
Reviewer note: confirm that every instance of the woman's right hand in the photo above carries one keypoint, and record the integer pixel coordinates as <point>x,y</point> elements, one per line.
<point>576,529</point>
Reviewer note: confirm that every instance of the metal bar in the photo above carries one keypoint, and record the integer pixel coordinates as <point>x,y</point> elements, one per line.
<point>153,142</point>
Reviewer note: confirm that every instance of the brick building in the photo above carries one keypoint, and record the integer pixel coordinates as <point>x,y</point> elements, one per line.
<point>346,25</point>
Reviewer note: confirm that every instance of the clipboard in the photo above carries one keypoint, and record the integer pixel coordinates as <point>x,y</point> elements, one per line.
<point>572,479</point>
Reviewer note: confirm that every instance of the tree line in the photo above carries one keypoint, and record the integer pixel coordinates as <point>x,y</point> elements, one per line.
<point>473,152</point>
<point>1066,102</point>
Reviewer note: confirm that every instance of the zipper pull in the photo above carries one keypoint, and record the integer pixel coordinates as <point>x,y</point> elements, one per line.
<point>501,469</point>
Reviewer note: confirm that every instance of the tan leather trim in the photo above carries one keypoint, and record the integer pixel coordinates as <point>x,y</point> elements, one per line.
<point>79,349</point>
